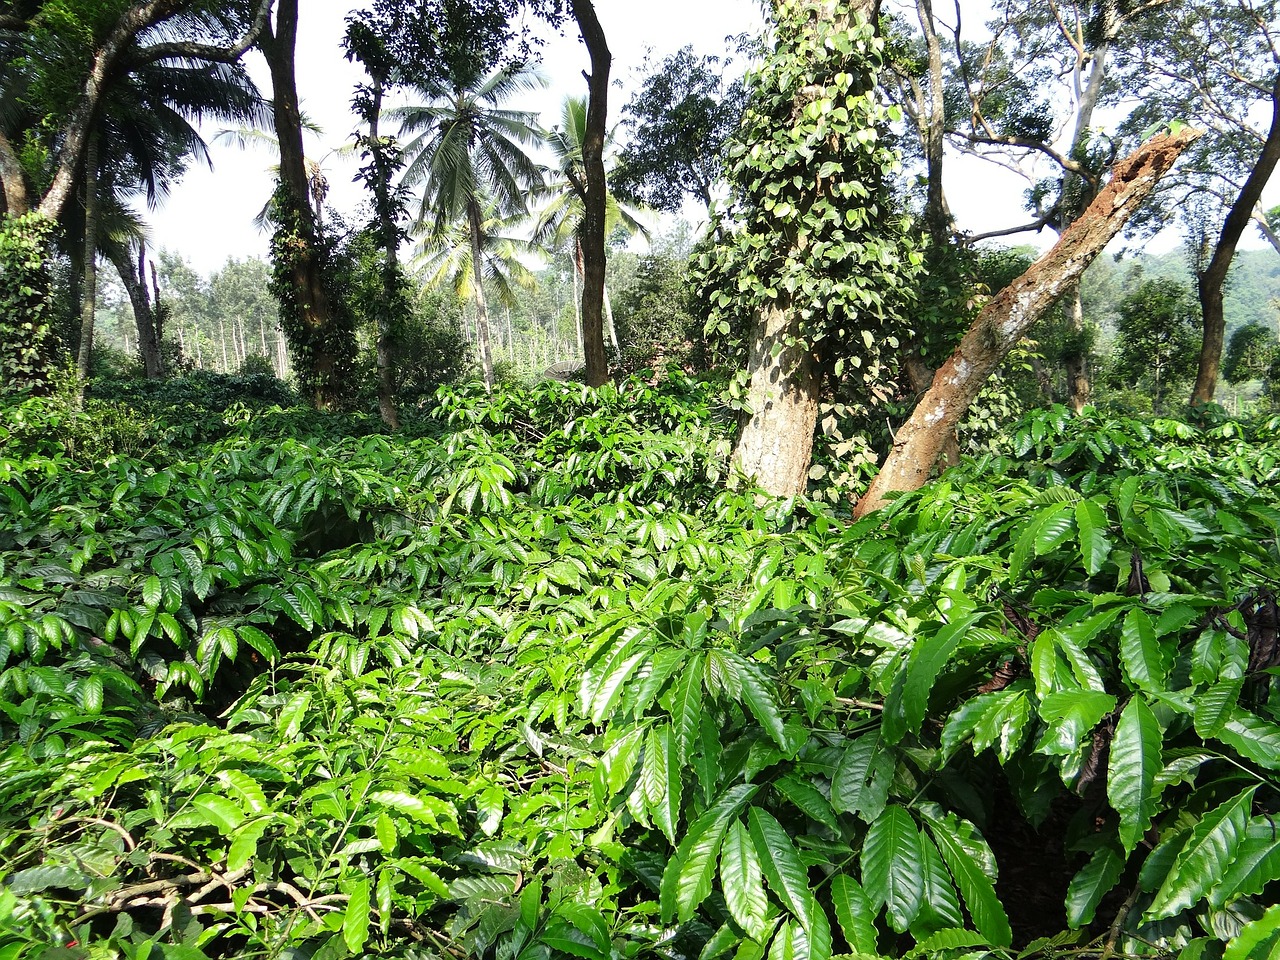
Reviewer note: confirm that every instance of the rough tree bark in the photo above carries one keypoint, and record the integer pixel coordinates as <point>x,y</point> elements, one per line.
<point>89,288</point>
<point>310,291</point>
<point>1006,318</point>
<point>775,440</point>
<point>592,236</point>
<point>134,278</point>
<point>1212,281</point>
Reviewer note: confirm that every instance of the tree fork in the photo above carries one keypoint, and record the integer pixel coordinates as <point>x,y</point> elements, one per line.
<point>1007,317</point>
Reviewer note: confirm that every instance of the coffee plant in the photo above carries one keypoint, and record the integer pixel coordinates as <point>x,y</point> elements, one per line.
<point>526,681</point>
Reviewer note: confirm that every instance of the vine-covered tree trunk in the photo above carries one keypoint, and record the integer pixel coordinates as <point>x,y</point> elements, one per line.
<point>1007,317</point>
<point>322,350</point>
<point>775,441</point>
<point>1212,280</point>
<point>592,236</point>
<point>89,286</point>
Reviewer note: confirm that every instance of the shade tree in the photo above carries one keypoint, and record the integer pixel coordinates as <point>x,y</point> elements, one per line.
<point>1217,65</point>
<point>678,126</point>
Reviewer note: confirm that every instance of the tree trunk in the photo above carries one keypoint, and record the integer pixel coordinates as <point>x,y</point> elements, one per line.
<point>482,306</point>
<point>14,180</point>
<point>1264,226</point>
<point>1008,315</point>
<point>134,280</point>
<point>593,220</point>
<point>391,294</point>
<point>1213,280</point>
<point>775,439</point>
<point>1076,360</point>
<point>932,123</point>
<point>89,289</point>
<point>613,329</point>
<point>310,292</point>
<point>775,444</point>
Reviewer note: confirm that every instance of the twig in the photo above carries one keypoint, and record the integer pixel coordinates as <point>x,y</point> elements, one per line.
<point>1113,936</point>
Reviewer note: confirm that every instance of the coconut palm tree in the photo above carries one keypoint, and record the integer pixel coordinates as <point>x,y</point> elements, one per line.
<point>562,216</point>
<point>140,143</point>
<point>468,154</point>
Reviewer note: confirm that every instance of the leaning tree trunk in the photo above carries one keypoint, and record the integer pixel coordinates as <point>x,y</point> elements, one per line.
<point>1007,317</point>
<point>775,439</point>
<point>592,236</point>
<point>477,281</point>
<point>89,288</point>
<point>1213,280</point>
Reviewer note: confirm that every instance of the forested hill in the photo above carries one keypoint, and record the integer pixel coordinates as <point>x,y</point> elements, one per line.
<point>1253,287</point>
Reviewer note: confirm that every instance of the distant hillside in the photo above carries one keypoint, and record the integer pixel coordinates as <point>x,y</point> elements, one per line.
<point>1253,287</point>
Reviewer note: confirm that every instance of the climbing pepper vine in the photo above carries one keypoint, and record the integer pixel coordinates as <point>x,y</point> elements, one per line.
<point>314,314</point>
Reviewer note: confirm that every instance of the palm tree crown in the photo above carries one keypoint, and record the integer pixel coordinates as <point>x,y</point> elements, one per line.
<point>462,143</point>
<point>468,153</point>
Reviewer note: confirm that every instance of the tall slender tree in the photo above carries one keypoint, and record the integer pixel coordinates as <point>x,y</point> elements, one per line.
<point>593,233</point>
<point>561,221</point>
<point>317,322</point>
<point>463,148</point>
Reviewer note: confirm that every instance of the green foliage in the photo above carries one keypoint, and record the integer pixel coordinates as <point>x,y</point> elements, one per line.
<point>1250,353</point>
<point>1157,345</point>
<point>681,119</point>
<point>319,324</point>
<point>811,227</point>
<point>532,684</point>
<point>26,310</point>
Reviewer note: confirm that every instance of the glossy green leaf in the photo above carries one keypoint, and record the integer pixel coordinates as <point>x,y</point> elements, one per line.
<point>743,882</point>
<point>686,709</point>
<point>862,777</point>
<point>906,704</point>
<point>1136,760</point>
<point>355,920</point>
<point>1204,858</point>
<point>758,695</point>
<point>1091,883</point>
<point>1255,738</point>
<point>1144,657</point>
<point>660,780</point>
<point>1258,940</point>
<point>686,881</point>
<point>782,866</point>
<point>1091,522</point>
<point>893,866</point>
<point>1216,706</point>
<point>985,909</point>
<point>855,913</point>
<point>1255,865</point>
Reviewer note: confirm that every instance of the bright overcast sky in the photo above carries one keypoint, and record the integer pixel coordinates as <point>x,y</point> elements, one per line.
<point>208,217</point>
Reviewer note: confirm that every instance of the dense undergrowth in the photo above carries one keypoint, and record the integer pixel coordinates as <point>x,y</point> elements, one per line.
<point>532,680</point>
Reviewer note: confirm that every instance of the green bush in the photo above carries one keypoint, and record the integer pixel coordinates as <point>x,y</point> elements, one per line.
<point>533,684</point>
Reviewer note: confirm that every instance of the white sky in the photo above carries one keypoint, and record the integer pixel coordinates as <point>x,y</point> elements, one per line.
<point>208,217</point>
